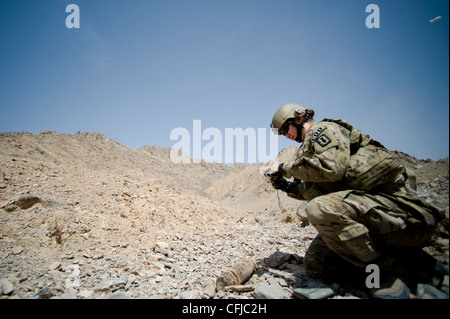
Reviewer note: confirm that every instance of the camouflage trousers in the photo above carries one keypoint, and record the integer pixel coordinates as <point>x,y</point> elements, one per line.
<point>358,226</point>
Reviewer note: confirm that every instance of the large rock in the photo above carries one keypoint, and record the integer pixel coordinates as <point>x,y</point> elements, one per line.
<point>23,202</point>
<point>277,259</point>
<point>6,287</point>
<point>270,290</point>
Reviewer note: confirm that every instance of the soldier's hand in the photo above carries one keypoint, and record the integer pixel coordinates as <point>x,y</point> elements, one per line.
<point>293,190</point>
<point>279,183</point>
<point>274,171</point>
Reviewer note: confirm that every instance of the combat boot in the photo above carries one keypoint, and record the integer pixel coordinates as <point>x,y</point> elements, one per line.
<point>421,268</point>
<point>392,277</point>
<point>391,288</point>
<point>422,264</point>
<point>322,263</point>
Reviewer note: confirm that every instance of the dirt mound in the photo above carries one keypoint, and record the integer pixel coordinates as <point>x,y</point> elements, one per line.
<point>249,190</point>
<point>94,151</point>
<point>82,200</point>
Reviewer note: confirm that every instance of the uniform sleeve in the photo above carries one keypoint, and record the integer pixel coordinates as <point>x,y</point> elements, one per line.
<point>326,156</point>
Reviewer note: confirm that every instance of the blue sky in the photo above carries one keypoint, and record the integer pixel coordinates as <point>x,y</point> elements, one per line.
<point>136,69</point>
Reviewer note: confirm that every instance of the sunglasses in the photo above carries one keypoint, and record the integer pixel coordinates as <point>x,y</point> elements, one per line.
<point>285,127</point>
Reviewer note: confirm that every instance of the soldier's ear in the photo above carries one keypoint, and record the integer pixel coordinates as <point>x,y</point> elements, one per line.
<point>298,120</point>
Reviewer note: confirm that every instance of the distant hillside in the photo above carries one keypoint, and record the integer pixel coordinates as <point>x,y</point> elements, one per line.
<point>96,151</point>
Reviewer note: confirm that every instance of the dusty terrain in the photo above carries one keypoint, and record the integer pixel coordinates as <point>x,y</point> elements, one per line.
<point>82,216</point>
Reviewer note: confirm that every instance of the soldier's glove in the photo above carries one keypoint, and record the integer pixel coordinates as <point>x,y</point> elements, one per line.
<point>293,190</point>
<point>273,172</point>
<point>281,170</point>
<point>279,183</point>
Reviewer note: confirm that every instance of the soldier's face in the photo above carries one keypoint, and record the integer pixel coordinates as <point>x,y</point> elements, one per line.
<point>292,133</point>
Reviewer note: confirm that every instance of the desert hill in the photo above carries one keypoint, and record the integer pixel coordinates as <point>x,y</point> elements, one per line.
<point>95,151</point>
<point>83,216</point>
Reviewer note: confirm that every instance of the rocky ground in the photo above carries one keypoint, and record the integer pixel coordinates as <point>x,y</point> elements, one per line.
<point>82,216</point>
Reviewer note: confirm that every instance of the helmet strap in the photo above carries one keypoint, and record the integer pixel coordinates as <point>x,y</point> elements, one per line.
<point>299,127</point>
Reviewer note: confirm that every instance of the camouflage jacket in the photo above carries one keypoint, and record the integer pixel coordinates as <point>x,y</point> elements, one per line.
<point>336,156</point>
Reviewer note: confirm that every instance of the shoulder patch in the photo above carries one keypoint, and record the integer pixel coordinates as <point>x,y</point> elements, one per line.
<point>323,140</point>
<point>317,133</point>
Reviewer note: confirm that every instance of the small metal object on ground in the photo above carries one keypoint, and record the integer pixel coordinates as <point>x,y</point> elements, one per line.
<point>236,275</point>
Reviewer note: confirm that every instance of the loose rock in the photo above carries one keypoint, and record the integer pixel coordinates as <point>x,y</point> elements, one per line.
<point>6,286</point>
<point>269,291</point>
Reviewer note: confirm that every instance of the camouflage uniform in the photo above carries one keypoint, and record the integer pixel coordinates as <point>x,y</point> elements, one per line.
<point>358,200</point>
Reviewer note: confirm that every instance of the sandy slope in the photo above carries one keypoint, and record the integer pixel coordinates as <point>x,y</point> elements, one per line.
<point>117,213</point>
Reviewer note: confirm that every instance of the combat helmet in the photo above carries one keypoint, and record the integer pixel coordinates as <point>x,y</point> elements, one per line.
<point>287,113</point>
